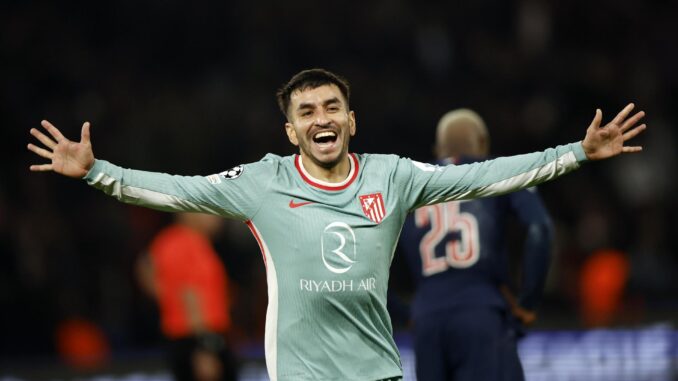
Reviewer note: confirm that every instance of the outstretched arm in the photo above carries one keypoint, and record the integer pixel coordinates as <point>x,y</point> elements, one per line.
<point>213,194</point>
<point>423,184</point>
<point>608,140</point>
<point>69,158</point>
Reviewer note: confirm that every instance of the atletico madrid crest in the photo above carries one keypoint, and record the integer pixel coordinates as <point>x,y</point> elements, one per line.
<point>373,206</point>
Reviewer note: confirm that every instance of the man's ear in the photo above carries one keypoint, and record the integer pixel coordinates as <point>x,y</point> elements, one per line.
<point>291,133</point>
<point>351,123</point>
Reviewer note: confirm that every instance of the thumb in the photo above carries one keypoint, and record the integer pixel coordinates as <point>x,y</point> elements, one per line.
<point>597,119</point>
<point>84,134</point>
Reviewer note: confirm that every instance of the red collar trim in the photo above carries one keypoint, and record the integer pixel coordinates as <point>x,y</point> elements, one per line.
<point>353,173</point>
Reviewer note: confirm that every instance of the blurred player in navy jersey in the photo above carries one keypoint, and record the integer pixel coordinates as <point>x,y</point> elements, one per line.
<point>465,316</point>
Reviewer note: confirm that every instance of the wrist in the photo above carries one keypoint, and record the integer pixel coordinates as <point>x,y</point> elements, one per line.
<point>582,151</point>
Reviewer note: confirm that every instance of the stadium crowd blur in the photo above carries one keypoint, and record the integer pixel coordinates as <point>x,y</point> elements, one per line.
<point>188,88</point>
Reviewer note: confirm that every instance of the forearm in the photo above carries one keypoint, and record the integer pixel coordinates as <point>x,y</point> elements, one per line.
<point>154,190</point>
<point>193,311</point>
<point>536,262</point>
<point>501,175</point>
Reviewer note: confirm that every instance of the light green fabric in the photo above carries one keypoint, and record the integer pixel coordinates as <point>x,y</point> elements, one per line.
<point>327,261</point>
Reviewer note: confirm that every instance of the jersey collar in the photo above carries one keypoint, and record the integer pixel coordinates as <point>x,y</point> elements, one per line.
<point>324,185</point>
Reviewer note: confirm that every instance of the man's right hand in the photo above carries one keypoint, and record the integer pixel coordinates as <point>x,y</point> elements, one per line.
<point>72,159</point>
<point>526,317</point>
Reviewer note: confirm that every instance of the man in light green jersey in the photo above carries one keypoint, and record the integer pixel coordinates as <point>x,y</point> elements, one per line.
<point>327,220</point>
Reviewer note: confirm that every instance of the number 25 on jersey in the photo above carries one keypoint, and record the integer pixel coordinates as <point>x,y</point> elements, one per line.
<point>457,231</point>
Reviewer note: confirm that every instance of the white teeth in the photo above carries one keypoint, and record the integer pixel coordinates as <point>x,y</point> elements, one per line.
<point>325,134</point>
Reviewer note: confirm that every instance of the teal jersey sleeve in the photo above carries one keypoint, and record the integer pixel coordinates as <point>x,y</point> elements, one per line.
<point>424,184</point>
<point>235,193</point>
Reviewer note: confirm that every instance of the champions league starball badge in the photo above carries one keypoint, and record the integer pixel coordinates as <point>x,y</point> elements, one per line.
<point>232,173</point>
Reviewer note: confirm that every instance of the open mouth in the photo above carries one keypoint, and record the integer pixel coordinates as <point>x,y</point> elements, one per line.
<point>325,138</point>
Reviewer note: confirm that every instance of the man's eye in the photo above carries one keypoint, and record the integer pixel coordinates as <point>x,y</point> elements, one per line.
<point>333,109</point>
<point>306,113</point>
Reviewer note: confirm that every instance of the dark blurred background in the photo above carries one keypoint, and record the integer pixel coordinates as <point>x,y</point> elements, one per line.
<point>188,88</point>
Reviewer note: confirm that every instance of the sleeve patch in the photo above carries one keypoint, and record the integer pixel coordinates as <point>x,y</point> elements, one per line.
<point>213,179</point>
<point>232,173</point>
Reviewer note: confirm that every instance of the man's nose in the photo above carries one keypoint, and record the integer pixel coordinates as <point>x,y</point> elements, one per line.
<point>322,120</point>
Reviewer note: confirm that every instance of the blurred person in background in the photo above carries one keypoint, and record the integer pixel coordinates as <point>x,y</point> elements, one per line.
<point>327,221</point>
<point>602,286</point>
<point>82,344</point>
<point>464,313</point>
<point>186,277</point>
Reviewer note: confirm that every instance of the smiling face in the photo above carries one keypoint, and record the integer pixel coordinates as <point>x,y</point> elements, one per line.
<point>320,123</point>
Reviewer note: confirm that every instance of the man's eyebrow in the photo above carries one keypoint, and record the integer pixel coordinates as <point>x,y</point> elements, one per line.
<point>326,102</point>
<point>331,100</point>
<point>305,105</point>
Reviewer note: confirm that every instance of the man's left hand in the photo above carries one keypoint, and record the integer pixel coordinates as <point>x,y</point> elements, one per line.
<point>608,141</point>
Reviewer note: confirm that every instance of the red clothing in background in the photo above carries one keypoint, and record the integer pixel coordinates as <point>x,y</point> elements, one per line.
<point>185,259</point>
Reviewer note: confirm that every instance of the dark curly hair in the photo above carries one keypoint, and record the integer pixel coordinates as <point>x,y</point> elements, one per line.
<point>310,79</point>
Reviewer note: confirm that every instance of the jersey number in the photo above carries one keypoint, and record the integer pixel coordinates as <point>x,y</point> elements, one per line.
<point>461,250</point>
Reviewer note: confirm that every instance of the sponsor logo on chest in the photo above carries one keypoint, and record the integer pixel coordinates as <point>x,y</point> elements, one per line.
<point>339,255</point>
<point>344,285</point>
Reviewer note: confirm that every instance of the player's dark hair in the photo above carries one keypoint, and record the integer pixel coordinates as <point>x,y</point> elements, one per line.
<point>310,79</point>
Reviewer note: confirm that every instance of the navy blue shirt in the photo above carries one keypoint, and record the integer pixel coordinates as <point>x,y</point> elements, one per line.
<point>457,251</point>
